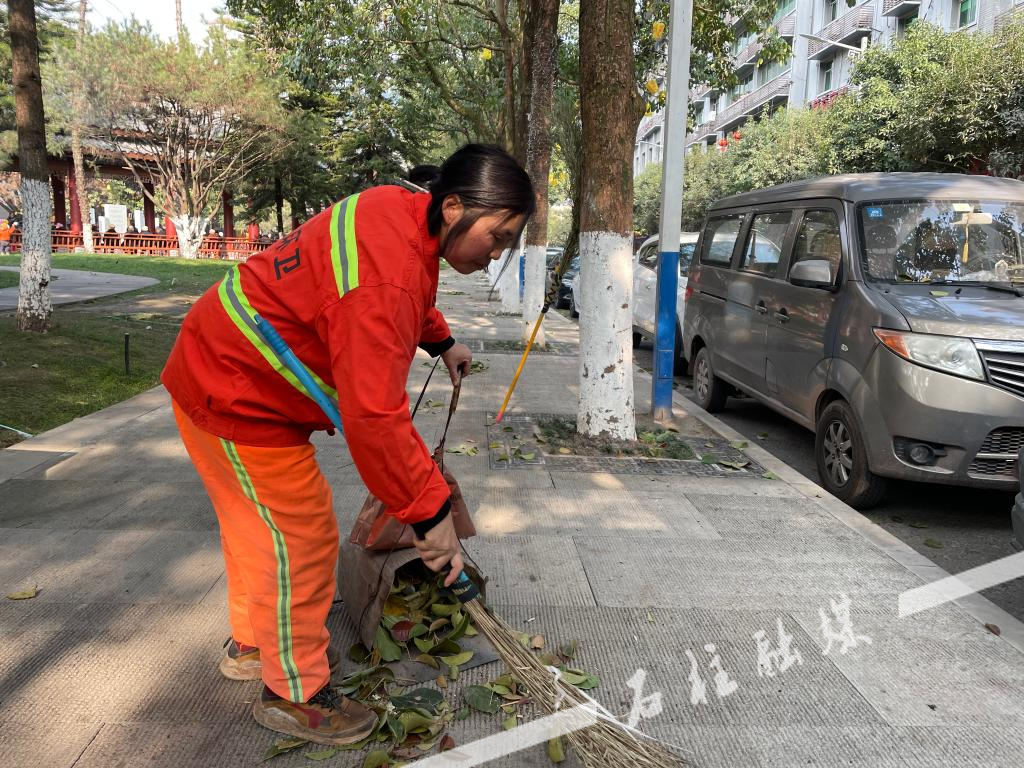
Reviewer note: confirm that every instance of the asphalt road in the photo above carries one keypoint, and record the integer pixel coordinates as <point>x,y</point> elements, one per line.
<point>956,528</point>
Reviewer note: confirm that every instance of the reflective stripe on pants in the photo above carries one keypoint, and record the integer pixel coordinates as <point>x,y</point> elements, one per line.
<point>280,542</point>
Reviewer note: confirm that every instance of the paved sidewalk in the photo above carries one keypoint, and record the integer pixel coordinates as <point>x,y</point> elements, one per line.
<point>114,663</point>
<point>70,285</point>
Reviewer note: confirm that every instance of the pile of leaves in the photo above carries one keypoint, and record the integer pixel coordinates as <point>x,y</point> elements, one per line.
<point>561,438</point>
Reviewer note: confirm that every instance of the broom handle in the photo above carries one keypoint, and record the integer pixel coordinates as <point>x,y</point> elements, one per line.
<point>522,362</point>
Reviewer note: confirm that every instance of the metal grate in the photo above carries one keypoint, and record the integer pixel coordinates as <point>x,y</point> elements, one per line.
<point>1004,365</point>
<point>998,454</point>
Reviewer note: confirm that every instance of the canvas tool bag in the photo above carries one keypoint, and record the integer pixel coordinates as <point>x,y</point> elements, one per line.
<point>379,545</point>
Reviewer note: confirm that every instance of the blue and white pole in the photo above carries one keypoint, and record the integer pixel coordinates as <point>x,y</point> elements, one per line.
<point>677,86</point>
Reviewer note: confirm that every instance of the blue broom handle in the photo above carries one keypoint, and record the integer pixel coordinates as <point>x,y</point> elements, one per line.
<point>284,352</point>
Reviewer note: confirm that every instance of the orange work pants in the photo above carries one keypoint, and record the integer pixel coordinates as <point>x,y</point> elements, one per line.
<point>280,542</point>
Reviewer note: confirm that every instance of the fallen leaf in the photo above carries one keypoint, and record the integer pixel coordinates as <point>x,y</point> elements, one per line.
<point>427,659</point>
<point>326,754</point>
<point>463,713</point>
<point>528,456</point>
<point>769,476</point>
<point>762,435</point>
<point>707,458</point>
<point>495,444</point>
<point>916,524</point>
<point>420,699</point>
<point>447,742</point>
<point>564,450</point>
<point>556,751</point>
<point>402,631</point>
<point>281,746</point>
<point>933,543</point>
<point>568,650</point>
<point>457,660</point>
<point>377,759</point>
<point>442,681</point>
<point>537,642</point>
<point>481,699</point>
<point>25,594</point>
<point>389,650</point>
<point>734,464</point>
<point>739,445</point>
<point>994,629</point>
<point>510,722</point>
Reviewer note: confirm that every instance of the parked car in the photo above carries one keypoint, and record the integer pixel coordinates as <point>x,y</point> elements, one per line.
<point>883,311</point>
<point>564,300</point>
<point>1017,514</point>
<point>645,290</point>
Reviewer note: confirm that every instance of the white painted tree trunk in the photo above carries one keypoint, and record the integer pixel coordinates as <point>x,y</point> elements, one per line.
<point>34,306</point>
<point>190,234</point>
<point>606,332</point>
<point>533,295</point>
<point>508,284</point>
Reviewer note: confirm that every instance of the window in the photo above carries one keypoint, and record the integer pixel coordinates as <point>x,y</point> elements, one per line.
<point>783,9</point>
<point>720,239</point>
<point>831,10</point>
<point>773,69</point>
<point>743,87</point>
<point>818,240</point>
<point>968,12</point>
<point>648,257</point>
<point>826,76</point>
<point>764,243</point>
<point>903,25</point>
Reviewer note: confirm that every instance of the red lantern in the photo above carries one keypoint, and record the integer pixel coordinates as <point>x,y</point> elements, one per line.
<point>736,136</point>
<point>723,143</point>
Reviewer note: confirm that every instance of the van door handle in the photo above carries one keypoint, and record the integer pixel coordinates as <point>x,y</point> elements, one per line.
<point>761,308</point>
<point>782,315</point>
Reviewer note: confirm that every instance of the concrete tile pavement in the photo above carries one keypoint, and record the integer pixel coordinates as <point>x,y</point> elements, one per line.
<point>114,663</point>
<point>70,285</point>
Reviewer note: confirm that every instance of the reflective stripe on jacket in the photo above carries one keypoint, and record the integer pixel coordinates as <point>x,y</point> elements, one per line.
<point>352,292</point>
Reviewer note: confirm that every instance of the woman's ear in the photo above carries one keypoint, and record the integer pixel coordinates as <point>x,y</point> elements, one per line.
<point>451,209</point>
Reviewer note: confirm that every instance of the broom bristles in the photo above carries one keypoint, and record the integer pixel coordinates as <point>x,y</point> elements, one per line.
<point>606,744</point>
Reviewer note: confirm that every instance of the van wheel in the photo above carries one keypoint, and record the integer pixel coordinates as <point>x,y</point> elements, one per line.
<point>710,391</point>
<point>573,311</point>
<point>842,459</point>
<point>679,366</point>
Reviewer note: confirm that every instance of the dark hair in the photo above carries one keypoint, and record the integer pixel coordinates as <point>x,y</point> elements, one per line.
<point>486,179</point>
<point>424,175</point>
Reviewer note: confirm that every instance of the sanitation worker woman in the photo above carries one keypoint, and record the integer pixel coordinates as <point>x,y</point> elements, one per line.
<point>352,293</point>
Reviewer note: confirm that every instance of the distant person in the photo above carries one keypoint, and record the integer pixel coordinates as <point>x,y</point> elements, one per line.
<point>6,230</point>
<point>424,175</point>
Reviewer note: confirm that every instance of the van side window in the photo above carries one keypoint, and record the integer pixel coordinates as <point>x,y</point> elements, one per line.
<point>720,239</point>
<point>764,243</point>
<point>818,240</point>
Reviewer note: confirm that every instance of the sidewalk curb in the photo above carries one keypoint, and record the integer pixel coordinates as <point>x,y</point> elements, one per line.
<point>977,606</point>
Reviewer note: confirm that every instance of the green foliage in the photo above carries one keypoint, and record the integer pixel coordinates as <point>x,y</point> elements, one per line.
<point>647,200</point>
<point>934,101</point>
<point>559,224</point>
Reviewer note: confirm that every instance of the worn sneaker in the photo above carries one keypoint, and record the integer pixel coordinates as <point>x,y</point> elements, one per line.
<point>326,718</point>
<point>242,662</point>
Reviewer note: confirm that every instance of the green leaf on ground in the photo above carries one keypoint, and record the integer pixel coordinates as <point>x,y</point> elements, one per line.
<point>734,464</point>
<point>481,699</point>
<point>762,435</point>
<point>326,754</point>
<point>463,713</point>
<point>458,660</point>
<point>377,759</point>
<point>420,698</point>
<point>739,445</point>
<point>933,543</point>
<point>769,476</point>
<point>707,458</point>
<point>510,722</point>
<point>494,444</point>
<point>281,746</point>
<point>426,658</point>
<point>916,524</point>
<point>25,594</point>
<point>388,648</point>
<point>556,750</point>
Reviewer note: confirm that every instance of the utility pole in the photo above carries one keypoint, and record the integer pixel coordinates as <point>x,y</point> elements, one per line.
<point>677,86</point>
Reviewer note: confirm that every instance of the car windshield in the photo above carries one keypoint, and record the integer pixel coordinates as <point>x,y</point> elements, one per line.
<point>944,241</point>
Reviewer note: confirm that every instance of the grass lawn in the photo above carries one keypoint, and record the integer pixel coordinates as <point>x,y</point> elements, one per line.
<point>8,279</point>
<point>78,366</point>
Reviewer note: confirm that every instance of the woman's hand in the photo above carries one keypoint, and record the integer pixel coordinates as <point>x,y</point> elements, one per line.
<point>458,358</point>
<point>441,547</point>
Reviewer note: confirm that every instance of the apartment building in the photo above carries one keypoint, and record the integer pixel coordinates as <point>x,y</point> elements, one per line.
<point>825,36</point>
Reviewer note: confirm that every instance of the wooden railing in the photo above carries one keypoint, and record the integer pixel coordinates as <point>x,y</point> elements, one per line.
<point>62,241</point>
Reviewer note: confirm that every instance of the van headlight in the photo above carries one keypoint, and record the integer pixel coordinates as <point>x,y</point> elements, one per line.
<point>951,354</point>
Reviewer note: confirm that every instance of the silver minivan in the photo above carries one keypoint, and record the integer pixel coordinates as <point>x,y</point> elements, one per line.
<point>885,312</point>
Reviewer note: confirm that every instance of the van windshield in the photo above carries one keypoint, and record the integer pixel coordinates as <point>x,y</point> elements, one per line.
<point>943,241</point>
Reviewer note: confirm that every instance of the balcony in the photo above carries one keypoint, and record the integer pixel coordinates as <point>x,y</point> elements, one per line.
<point>703,132</point>
<point>787,25</point>
<point>845,30</point>
<point>747,56</point>
<point>773,90</point>
<point>899,8</point>
<point>700,92</point>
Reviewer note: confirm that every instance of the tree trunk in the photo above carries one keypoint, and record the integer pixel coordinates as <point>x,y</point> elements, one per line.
<point>606,219</point>
<point>34,305</point>
<point>191,230</point>
<point>538,158</point>
<point>177,19</point>
<point>279,204</point>
<point>508,282</point>
<point>77,109</point>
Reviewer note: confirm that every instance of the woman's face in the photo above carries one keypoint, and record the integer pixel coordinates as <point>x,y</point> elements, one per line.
<point>490,235</point>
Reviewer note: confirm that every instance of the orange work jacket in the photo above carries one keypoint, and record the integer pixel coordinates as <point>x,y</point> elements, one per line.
<point>352,292</point>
